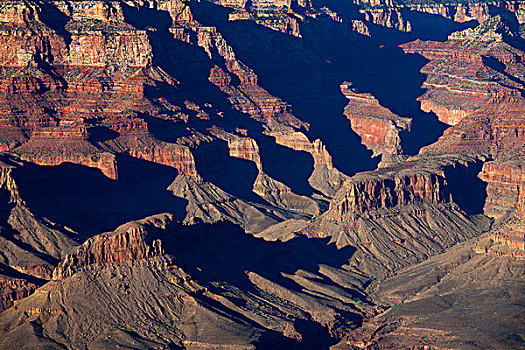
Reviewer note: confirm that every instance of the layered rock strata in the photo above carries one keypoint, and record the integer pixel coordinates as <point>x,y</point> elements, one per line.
<point>494,131</point>
<point>126,243</point>
<point>377,126</point>
<point>469,69</point>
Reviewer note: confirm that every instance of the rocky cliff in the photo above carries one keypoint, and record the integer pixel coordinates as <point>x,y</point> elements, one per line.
<point>206,173</point>
<point>474,63</point>
<point>361,194</point>
<point>458,11</point>
<point>96,63</point>
<point>377,126</point>
<point>30,246</point>
<point>126,243</point>
<point>493,131</point>
<point>504,181</point>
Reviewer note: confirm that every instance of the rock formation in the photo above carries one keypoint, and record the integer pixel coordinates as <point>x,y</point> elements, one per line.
<point>127,243</point>
<point>494,131</point>
<point>504,180</point>
<point>102,59</point>
<point>377,126</point>
<point>475,63</point>
<point>23,269</point>
<point>185,174</point>
<point>389,18</point>
<point>458,11</point>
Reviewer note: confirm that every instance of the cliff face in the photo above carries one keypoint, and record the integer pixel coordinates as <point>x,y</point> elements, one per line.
<point>231,121</point>
<point>504,181</point>
<point>400,215</point>
<point>377,126</point>
<point>126,243</point>
<point>474,63</point>
<point>14,289</point>
<point>496,131</point>
<point>173,155</point>
<point>417,182</point>
<point>245,95</point>
<point>458,11</point>
<point>24,269</point>
<point>269,189</point>
<point>505,186</point>
<point>7,182</point>
<point>68,76</point>
<point>364,195</point>
<point>325,178</point>
<point>389,18</point>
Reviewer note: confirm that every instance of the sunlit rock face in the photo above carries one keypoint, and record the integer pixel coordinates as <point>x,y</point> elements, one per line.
<point>261,174</point>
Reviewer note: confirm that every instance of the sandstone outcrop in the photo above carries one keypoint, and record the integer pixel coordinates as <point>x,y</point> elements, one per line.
<point>271,190</point>
<point>419,180</point>
<point>104,60</point>
<point>494,131</point>
<point>13,289</point>
<point>387,213</point>
<point>458,11</point>
<point>246,96</point>
<point>504,183</point>
<point>512,236</point>
<point>55,151</point>
<point>174,155</point>
<point>362,195</point>
<point>377,126</point>
<point>469,69</point>
<point>389,18</point>
<point>505,186</point>
<point>176,291</point>
<point>126,243</point>
<point>264,242</point>
<point>325,177</point>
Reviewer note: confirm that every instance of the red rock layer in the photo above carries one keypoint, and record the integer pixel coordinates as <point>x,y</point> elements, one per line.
<point>241,146</point>
<point>55,150</point>
<point>377,126</point>
<point>124,244</point>
<point>495,130</point>
<point>55,93</point>
<point>460,75</point>
<point>246,96</point>
<point>387,17</point>
<point>365,193</point>
<point>276,15</point>
<point>505,196</point>
<point>176,156</point>
<point>7,182</point>
<point>504,182</point>
<point>459,11</point>
<point>12,289</point>
<point>513,236</point>
<point>299,142</point>
<point>41,271</point>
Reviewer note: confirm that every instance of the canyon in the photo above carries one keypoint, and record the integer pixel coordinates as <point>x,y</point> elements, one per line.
<point>262,174</point>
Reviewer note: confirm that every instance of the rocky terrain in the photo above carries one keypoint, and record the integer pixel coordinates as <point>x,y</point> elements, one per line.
<point>262,174</point>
